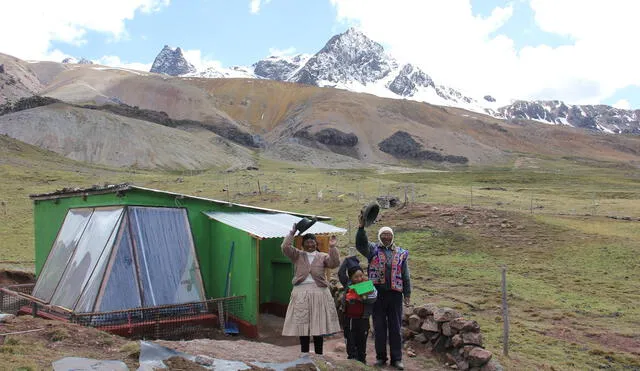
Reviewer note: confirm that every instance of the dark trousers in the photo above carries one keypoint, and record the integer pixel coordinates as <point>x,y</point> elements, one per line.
<point>387,323</point>
<point>356,331</point>
<point>317,344</point>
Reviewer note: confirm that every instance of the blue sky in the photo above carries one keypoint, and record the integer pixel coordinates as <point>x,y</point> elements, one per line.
<point>576,51</point>
<point>222,30</point>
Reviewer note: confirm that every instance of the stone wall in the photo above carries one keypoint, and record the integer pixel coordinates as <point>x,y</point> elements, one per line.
<point>444,331</point>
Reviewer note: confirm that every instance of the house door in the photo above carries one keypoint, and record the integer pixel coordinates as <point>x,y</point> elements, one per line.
<point>281,285</point>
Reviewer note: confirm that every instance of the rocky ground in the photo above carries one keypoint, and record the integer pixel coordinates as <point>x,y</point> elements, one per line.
<point>39,342</point>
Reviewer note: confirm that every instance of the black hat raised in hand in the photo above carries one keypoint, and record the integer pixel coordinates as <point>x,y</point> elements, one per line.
<point>370,213</point>
<point>304,224</point>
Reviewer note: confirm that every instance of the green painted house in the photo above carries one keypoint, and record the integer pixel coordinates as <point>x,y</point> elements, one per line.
<point>168,243</point>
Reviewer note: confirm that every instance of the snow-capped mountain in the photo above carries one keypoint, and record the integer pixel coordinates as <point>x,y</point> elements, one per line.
<point>281,68</point>
<point>347,57</point>
<point>409,80</point>
<point>72,60</point>
<point>349,61</point>
<point>354,62</point>
<point>591,117</point>
<point>172,62</point>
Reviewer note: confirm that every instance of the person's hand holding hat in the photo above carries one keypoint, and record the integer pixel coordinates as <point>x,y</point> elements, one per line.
<point>361,219</point>
<point>294,229</point>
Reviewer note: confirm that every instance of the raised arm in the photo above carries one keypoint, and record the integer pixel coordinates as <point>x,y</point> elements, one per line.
<point>334,255</point>
<point>362,242</point>
<point>287,246</point>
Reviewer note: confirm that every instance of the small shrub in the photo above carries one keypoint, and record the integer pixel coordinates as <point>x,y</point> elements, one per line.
<point>131,349</point>
<point>11,341</point>
<point>58,334</point>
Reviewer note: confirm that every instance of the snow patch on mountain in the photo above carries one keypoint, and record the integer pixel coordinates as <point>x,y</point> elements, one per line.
<point>212,72</point>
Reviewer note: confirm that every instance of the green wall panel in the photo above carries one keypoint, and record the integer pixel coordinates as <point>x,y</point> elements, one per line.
<point>243,266</point>
<point>276,273</point>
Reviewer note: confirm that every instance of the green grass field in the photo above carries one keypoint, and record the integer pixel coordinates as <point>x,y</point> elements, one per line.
<point>572,271</point>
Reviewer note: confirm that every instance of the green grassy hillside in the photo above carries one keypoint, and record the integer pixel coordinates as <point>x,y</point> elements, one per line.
<point>565,228</point>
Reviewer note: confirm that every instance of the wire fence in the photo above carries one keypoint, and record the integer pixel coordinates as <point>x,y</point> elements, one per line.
<point>570,199</point>
<point>194,320</point>
<point>11,299</point>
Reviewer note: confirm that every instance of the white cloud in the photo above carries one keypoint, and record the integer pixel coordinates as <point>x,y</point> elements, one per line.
<point>29,26</point>
<point>193,56</point>
<point>254,5</point>
<point>282,52</point>
<point>622,104</point>
<point>463,50</point>
<point>114,61</point>
<point>201,62</point>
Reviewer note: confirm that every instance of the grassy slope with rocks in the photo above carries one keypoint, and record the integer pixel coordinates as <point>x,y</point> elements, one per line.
<point>572,271</point>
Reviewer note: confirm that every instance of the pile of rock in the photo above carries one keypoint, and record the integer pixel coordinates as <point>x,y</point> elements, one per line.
<point>442,331</point>
<point>445,331</point>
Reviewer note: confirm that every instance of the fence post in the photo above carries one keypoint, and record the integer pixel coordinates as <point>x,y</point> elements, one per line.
<point>406,196</point>
<point>531,207</point>
<point>505,314</point>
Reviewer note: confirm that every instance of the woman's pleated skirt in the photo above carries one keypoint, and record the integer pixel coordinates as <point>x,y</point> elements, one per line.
<point>311,312</point>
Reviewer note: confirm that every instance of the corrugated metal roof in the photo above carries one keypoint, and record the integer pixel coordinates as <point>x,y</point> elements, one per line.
<point>265,225</point>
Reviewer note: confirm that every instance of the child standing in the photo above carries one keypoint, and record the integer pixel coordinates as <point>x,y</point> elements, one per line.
<point>357,310</point>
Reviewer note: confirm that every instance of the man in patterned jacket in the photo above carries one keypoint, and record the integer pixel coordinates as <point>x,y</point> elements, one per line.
<point>389,271</point>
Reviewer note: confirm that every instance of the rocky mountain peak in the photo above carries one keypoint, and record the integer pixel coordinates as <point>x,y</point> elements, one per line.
<point>278,67</point>
<point>408,80</point>
<point>172,62</point>
<point>347,57</point>
<point>591,117</point>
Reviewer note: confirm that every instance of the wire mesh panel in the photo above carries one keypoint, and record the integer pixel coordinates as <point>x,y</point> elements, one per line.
<point>204,319</point>
<point>170,322</point>
<point>10,299</point>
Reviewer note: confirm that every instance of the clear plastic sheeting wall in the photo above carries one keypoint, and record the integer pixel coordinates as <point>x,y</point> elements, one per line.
<point>168,270</point>
<point>118,292</point>
<point>63,247</point>
<point>86,256</point>
<point>117,258</point>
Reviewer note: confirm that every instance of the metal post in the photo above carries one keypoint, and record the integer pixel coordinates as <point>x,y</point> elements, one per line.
<point>505,314</point>
<point>531,207</point>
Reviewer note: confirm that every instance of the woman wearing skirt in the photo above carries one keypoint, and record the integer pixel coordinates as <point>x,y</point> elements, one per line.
<point>311,311</point>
